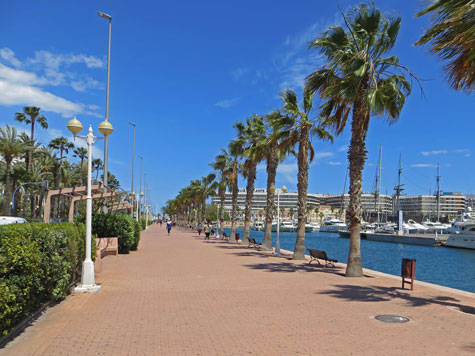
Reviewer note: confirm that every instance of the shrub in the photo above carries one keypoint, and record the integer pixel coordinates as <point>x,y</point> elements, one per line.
<point>38,263</point>
<point>143,224</point>
<point>116,225</point>
<point>137,230</point>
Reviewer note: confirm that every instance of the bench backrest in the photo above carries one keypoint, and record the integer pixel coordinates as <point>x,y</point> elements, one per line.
<point>318,254</point>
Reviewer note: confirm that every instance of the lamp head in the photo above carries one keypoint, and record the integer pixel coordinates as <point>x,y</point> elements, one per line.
<point>103,15</point>
<point>74,126</point>
<point>142,194</point>
<point>284,189</point>
<point>105,127</point>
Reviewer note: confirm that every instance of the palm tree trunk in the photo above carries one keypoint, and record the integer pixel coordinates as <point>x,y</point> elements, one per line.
<point>302,186</point>
<point>8,188</point>
<point>203,209</point>
<point>272,163</point>
<point>234,207</point>
<point>249,194</point>
<point>221,215</point>
<point>357,157</point>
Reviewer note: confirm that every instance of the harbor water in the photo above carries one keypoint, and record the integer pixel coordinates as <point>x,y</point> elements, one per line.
<point>450,267</point>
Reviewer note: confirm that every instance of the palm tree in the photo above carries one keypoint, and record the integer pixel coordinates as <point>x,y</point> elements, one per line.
<point>11,147</point>
<point>63,146</point>
<point>357,79</point>
<point>30,116</point>
<point>275,149</point>
<point>208,186</point>
<point>452,37</point>
<point>303,128</point>
<point>236,150</point>
<point>252,134</point>
<point>97,166</point>
<point>80,153</point>
<point>223,166</point>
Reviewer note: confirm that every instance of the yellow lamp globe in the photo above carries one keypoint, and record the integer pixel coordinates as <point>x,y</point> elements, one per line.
<point>106,128</point>
<point>74,126</point>
<point>284,189</point>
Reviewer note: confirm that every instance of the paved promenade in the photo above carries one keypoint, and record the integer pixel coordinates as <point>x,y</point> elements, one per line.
<point>179,295</point>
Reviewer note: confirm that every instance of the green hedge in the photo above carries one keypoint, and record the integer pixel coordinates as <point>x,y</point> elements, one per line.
<point>38,263</point>
<point>117,225</point>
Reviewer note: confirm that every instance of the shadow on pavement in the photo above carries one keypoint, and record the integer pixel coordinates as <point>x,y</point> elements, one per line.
<point>292,268</point>
<point>382,294</point>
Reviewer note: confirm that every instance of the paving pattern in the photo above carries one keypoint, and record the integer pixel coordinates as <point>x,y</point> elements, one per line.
<point>180,295</point>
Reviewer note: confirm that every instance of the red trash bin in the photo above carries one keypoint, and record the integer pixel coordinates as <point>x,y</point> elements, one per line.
<point>236,236</point>
<point>408,270</point>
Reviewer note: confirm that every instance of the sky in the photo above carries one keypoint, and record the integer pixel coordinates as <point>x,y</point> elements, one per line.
<point>186,71</point>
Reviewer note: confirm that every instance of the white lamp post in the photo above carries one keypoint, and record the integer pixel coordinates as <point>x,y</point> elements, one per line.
<point>277,241</point>
<point>218,222</point>
<point>87,276</point>
<point>133,171</point>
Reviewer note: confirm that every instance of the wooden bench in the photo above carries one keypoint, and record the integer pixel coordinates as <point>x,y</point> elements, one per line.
<point>316,255</point>
<point>253,242</point>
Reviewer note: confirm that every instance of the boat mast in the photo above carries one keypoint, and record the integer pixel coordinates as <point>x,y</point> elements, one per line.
<point>343,195</point>
<point>377,195</point>
<point>399,187</point>
<point>438,192</point>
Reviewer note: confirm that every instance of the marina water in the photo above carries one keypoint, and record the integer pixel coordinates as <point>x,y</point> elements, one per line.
<point>450,267</point>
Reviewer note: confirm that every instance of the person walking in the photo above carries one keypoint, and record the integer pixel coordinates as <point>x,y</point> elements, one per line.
<point>169,227</point>
<point>199,228</point>
<point>207,231</point>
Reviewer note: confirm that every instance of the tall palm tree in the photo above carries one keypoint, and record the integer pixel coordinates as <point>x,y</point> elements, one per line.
<point>11,147</point>
<point>63,146</point>
<point>252,133</point>
<point>208,187</point>
<point>302,129</point>
<point>31,116</point>
<point>80,153</point>
<point>357,79</point>
<point>97,166</point>
<point>275,148</point>
<point>236,150</point>
<point>452,37</point>
<point>223,166</point>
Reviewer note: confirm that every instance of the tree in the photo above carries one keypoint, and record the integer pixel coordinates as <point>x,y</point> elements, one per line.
<point>63,146</point>
<point>302,129</point>
<point>252,134</point>
<point>223,166</point>
<point>11,147</point>
<point>97,166</point>
<point>452,37</point>
<point>236,150</point>
<point>30,116</point>
<point>357,79</point>
<point>81,153</point>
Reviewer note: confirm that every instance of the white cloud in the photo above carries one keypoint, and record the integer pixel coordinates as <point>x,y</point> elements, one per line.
<point>227,103</point>
<point>424,165</point>
<point>20,94</point>
<point>319,155</point>
<point>434,152</point>
<point>83,84</point>
<point>289,171</point>
<point>239,72</point>
<point>8,55</point>
<point>342,149</point>
<point>333,163</point>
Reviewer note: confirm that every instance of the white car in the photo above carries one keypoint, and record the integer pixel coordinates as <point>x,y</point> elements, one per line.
<point>7,220</point>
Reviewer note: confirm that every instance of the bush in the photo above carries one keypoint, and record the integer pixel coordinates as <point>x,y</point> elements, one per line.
<point>38,263</point>
<point>117,225</point>
<point>137,230</point>
<point>143,224</point>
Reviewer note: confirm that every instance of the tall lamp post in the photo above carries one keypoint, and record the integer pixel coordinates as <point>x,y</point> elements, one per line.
<point>133,172</point>
<point>140,189</point>
<point>277,241</point>
<point>106,140</point>
<point>87,276</point>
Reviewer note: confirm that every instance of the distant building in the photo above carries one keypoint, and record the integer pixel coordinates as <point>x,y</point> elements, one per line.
<point>369,203</point>
<point>423,207</point>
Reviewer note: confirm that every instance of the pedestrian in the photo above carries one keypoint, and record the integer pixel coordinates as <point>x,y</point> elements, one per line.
<point>199,228</point>
<point>207,231</point>
<point>169,227</point>
<point>160,222</point>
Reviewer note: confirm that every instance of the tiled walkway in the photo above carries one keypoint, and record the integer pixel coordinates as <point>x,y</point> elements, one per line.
<point>179,295</point>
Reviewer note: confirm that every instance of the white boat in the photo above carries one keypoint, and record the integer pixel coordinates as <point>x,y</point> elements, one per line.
<point>386,228</point>
<point>436,227</point>
<point>7,220</point>
<point>333,225</point>
<point>258,226</point>
<point>287,226</point>
<point>308,227</point>
<point>463,235</point>
<point>315,226</point>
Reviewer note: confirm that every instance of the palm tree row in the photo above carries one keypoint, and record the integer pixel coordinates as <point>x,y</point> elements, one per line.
<point>25,160</point>
<point>358,80</point>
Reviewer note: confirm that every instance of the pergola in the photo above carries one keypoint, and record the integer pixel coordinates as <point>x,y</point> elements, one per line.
<point>99,191</point>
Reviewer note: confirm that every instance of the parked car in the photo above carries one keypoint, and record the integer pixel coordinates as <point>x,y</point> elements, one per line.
<point>7,220</point>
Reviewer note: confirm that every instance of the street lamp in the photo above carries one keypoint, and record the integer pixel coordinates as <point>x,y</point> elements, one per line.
<point>106,140</point>
<point>133,171</point>
<point>140,189</point>
<point>87,276</point>
<point>277,241</point>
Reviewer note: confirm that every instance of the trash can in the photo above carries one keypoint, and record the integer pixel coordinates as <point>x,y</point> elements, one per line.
<point>408,270</point>
<point>236,236</point>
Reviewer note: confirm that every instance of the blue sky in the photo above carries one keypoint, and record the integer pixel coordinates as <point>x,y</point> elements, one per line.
<point>185,71</point>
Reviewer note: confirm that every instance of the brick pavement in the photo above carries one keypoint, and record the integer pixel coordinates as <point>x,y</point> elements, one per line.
<point>179,295</point>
